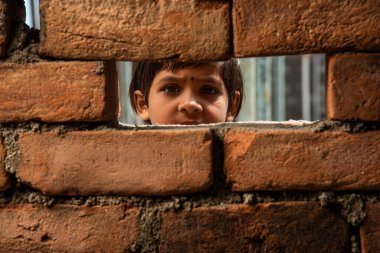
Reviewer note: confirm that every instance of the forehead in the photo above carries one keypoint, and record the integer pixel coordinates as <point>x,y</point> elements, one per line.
<point>173,65</point>
<point>198,70</point>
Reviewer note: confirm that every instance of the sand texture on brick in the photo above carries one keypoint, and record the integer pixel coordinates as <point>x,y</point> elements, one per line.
<point>271,27</point>
<point>66,228</point>
<point>279,227</point>
<point>117,162</point>
<point>353,87</point>
<point>302,160</point>
<point>370,230</point>
<point>57,92</point>
<point>135,30</point>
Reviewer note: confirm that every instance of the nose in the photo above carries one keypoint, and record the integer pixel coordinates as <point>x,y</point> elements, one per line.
<point>189,105</point>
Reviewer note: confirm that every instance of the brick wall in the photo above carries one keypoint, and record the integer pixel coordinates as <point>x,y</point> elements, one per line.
<point>74,180</point>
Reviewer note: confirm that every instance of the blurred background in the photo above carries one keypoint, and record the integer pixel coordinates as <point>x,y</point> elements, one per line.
<point>276,88</point>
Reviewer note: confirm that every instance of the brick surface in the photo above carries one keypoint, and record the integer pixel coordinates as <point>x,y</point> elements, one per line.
<point>302,160</point>
<point>188,30</point>
<point>4,177</point>
<point>65,228</point>
<point>58,91</point>
<point>271,27</point>
<point>370,229</point>
<point>117,162</point>
<point>277,227</point>
<point>353,87</point>
<point>4,27</point>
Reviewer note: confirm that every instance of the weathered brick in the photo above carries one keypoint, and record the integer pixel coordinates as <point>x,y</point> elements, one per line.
<point>4,27</point>
<point>117,162</point>
<point>370,229</point>
<point>276,227</point>
<point>66,228</point>
<point>353,87</point>
<point>58,91</point>
<point>271,27</point>
<point>4,177</point>
<point>302,160</point>
<point>188,30</point>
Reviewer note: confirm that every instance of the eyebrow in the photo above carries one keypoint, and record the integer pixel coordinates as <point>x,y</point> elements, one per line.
<point>207,79</point>
<point>169,79</point>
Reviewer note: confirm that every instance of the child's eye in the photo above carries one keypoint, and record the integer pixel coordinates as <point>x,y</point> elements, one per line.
<point>171,88</point>
<point>209,90</point>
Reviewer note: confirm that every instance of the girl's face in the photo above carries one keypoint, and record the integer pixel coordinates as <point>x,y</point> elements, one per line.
<point>187,96</point>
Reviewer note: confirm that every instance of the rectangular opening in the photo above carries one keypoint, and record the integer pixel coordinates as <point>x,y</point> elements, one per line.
<point>276,88</point>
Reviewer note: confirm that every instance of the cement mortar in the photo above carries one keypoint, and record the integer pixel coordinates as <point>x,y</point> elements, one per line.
<point>355,243</point>
<point>351,205</point>
<point>349,127</point>
<point>10,141</point>
<point>24,45</point>
<point>150,224</point>
<point>100,68</point>
<point>352,208</point>
<point>220,129</point>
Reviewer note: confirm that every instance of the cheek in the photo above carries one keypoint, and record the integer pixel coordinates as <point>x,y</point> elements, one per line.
<point>218,109</point>
<point>222,103</point>
<point>156,101</point>
<point>160,102</point>
<point>161,111</point>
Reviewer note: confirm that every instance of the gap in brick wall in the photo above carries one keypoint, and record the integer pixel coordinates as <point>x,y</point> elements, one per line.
<point>276,88</point>
<point>32,18</point>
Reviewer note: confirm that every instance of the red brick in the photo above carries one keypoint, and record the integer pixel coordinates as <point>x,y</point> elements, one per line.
<point>58,91</point>
<point>4,177</point>
<point>302,160</point>
<point>370,229</point>
<point>277,227</point>
<point>4,27</point>
<point>117,162</point>
<point>135,30</point>
<point>271,27</point>
<point>353,87</point>
<point>65,228</point>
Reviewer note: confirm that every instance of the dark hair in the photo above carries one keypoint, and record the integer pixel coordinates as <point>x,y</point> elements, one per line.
<point>143,74</point>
